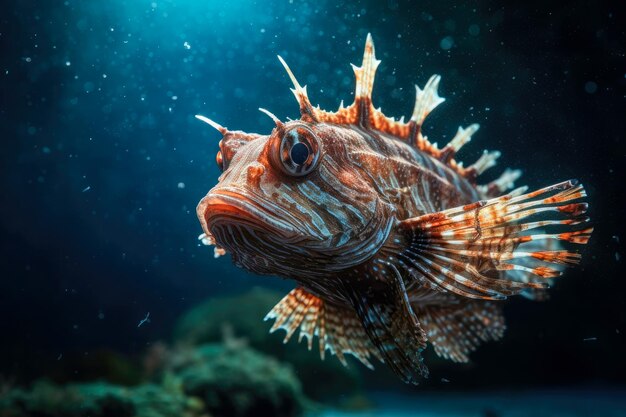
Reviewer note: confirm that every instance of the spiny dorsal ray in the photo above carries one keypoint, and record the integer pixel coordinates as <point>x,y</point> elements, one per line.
<point>486,161</point>
<point>462,137</point>
<point>500,185</point>
<point>365,75</point>
<point>426,100</point>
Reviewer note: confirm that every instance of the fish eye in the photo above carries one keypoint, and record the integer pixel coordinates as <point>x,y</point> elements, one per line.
<point>299,151</point>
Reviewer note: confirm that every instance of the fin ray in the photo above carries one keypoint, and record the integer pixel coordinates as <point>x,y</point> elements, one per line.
<point>366,73</point>
<point>338,329</point>
<point>391,324</point>
<point>457,329</point>
<point>426,100</point>
<point>468,250</point>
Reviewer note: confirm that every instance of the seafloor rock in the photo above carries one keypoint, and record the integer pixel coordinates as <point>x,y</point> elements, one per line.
<point>98,400</point>
<point>235,381</point>
<point>326,380</point>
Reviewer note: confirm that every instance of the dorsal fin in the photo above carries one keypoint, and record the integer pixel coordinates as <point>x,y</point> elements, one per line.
<point>363,113</point>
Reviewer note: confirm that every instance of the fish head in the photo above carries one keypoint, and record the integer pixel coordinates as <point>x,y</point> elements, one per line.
<point>293,202</point>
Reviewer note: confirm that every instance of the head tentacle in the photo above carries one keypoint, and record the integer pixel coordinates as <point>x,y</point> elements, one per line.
<point>213,124</point>
<point>279,125</point>
<point>306,109</point>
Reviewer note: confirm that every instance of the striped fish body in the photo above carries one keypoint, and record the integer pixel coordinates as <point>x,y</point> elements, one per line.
<point>411,180</point>
<point>394,245</point>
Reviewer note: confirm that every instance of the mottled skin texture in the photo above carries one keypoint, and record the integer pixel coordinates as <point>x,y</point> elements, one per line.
<point>391,241</point>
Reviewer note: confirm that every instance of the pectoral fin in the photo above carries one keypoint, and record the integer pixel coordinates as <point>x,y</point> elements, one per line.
<point>478,250</point>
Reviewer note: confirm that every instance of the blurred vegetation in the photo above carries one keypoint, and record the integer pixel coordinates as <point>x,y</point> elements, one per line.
<point>221,380</point>
<point>98,399</point>
<point>234,380</point>
<point>323,380</point>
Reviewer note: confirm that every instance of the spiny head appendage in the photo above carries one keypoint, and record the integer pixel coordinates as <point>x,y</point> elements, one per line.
<point>212,123</point>
<point>279,125</point>
<point>506,180</point>
<point>296,84</point>
<point>298,90</point>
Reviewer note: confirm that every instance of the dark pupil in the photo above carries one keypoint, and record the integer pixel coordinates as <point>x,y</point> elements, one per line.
<point>299,153</point>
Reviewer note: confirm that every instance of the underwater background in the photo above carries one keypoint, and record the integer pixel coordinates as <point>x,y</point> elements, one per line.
<point>109,306</point>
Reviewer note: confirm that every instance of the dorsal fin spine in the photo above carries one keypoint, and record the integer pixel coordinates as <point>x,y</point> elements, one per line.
<point>503,183</point>
<point>486,161</point>
<point>462,137</point>
<point>365,75</point>
<point>426,100</point>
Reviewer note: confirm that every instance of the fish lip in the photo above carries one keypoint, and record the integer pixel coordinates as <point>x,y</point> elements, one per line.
<point>240,207</point>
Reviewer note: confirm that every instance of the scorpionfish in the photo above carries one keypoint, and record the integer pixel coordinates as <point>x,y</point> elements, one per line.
<point>393,243</point>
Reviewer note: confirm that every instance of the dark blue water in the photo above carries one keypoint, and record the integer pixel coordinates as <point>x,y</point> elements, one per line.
<point>102,161</point>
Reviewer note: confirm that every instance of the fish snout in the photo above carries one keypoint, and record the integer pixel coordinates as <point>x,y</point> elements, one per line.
<point>227,207</point>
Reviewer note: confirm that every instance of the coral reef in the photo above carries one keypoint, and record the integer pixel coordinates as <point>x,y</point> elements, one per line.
<point>221,380</point>
<point>324,380</point>
<point>234,380</point>
<point>98,400</point>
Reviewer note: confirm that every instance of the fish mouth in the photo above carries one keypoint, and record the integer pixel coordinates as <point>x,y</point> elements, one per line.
<point>232,207</point>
